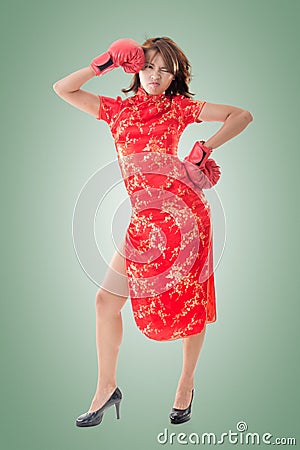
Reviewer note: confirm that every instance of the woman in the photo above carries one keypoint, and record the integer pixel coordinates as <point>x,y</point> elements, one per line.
<point>166,305</point>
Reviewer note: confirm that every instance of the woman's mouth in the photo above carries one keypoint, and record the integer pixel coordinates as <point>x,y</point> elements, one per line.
<point>154,84</point>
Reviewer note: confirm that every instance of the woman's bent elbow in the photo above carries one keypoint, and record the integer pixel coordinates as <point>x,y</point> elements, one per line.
<point>248,116</point>
<point>56,87</point>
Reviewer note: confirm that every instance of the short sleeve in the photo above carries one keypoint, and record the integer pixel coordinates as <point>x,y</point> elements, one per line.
<point>109,109</point>
<point>190,109</point>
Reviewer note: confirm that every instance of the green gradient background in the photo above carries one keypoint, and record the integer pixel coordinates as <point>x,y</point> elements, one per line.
<point>242,53</point>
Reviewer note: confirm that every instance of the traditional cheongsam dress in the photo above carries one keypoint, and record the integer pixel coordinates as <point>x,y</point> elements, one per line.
<point>168,242</point>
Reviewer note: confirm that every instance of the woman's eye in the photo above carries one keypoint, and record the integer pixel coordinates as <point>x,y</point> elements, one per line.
<point>149,66</point>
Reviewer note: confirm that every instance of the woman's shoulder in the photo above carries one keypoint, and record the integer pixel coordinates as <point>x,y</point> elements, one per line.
<point>123,102</point>
<point>188,108</point>
<point>180,98</point>
<point>116,103</point>
<point>115,99</point>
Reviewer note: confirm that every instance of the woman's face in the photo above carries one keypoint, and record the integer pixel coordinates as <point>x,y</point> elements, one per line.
<point>154,77</point>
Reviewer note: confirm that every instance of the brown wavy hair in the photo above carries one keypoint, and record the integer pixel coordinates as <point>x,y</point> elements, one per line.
<point>176,63</point>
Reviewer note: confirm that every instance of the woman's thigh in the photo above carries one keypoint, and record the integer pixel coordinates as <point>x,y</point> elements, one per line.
<point>115,282</point>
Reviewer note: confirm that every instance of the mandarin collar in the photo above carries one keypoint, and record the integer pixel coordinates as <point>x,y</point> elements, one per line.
<point>143,95</point>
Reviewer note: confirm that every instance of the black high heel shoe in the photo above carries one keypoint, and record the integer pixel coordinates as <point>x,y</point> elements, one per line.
<point>181,415</point>
<point>90,419</point>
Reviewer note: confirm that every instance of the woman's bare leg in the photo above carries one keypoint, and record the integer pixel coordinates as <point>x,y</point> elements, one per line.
<point>191,350</point>
<point>109,328</point>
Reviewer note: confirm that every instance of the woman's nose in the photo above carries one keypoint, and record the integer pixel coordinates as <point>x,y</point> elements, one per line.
<point>155,74</point>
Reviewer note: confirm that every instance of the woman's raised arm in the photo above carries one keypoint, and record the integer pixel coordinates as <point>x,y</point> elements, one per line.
<point>68,88</point>
<point>126,53</point>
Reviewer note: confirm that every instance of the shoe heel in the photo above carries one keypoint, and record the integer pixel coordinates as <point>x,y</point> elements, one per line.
<point>117,405</point>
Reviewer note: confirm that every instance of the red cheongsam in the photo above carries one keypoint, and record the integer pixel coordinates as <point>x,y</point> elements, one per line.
<point>168,242</point>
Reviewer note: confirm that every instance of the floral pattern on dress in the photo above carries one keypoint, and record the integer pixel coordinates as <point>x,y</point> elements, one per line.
<point>168,242</point>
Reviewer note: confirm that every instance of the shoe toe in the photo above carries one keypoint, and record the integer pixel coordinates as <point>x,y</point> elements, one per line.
<point>180,415</point>
<point>82,419</point>
<point>89,419</point>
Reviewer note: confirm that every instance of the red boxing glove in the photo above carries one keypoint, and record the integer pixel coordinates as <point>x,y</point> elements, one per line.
<point>126,53</point>
<point>202,170</point>
<point>199,154</point>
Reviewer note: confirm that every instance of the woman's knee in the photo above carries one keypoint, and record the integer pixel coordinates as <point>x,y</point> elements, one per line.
<point>108,303</point>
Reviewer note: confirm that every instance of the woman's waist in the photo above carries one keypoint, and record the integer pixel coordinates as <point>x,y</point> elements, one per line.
<point>155,192</point>
<point>144,145</point>
<point>151,163</point>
